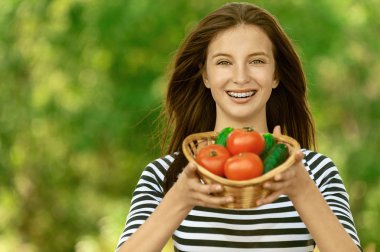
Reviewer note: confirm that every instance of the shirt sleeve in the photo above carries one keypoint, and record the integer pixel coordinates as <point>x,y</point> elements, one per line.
<point>146,196</point>
<point>326,176</point>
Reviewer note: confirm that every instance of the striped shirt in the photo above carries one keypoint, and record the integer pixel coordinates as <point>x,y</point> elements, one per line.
<point>268,228</point>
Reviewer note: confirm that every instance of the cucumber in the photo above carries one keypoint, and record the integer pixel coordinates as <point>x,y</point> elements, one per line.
<point>221,139</point>
<point>269,143</point>
<point>276,156</point>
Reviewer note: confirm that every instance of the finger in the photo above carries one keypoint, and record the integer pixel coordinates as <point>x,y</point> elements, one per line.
<point>211,201</point>
<point>269,199</point>
<point>190,170</point>
<point>290,172</point>
<point>277,186</point>
<point>207,189</point>
<point>286,175</point>
<point>277,130</point>
<point>299,156</point>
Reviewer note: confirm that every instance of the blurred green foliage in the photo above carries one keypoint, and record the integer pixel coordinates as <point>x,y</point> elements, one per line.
<point>81,83</point>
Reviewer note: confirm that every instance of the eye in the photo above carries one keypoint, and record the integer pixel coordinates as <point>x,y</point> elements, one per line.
<point>223,62</point>
<point>257,61</point>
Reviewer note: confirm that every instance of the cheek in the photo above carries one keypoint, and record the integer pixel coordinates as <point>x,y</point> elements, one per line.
<point>219,77</point>
<point>216,81</point>
<point>266,79</point>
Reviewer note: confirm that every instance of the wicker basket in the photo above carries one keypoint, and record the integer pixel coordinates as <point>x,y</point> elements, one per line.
<point>245,192</point>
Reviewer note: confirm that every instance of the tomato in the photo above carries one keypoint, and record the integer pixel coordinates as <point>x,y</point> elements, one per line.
<point>243,166</point>
<point>245,140</point>
<point>213,157</point>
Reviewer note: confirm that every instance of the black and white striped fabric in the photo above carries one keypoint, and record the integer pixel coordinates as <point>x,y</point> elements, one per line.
<point>268,228</point>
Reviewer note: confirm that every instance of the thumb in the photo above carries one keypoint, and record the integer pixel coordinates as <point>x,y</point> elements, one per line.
<point>277,130</point>
<point>190,170</point>
<point>299,156</point>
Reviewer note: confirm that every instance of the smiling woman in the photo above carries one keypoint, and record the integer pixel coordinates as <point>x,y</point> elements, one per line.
<point>241,78</point>
<point>238,68</point>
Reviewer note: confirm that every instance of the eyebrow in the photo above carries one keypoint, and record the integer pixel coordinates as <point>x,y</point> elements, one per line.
<point>259,53</point>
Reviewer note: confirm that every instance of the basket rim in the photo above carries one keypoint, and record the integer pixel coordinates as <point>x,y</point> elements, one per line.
<point>293,147</point>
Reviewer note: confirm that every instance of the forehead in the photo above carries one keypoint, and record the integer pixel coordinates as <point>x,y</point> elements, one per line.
<point>241,38</point>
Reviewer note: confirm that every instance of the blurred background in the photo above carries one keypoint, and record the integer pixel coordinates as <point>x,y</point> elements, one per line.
<point>81,83</point>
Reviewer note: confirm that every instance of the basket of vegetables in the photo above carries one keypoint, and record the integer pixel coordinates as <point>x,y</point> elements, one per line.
<point>241,160</point>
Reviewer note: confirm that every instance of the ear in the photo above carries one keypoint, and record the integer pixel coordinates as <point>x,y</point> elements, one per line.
<point>205,79</point>
<point>275,83</point>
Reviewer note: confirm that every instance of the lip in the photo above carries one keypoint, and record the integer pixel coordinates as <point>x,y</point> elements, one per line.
<point>241,95</point>
<point>241,90</point>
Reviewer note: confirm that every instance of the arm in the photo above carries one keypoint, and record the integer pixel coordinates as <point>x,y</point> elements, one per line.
<point>187,192</point>
<point>322,223</point>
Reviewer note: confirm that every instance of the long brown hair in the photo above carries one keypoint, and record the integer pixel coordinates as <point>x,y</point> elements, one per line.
<point>190,107</point>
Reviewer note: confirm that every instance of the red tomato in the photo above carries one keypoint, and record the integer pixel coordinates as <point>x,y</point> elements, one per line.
<point>245,140</point>
<point>213,157</point>
<point>243,166</point>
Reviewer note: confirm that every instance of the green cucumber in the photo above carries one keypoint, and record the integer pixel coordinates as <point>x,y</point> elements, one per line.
<point>221,139</point>
<point>269,143</point>
<point>276,156</point>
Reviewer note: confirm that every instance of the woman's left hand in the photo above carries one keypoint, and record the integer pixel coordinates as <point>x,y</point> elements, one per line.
<point>293,182</point>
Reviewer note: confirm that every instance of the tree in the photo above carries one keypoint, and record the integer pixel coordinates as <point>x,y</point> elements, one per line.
<point>80,92</point>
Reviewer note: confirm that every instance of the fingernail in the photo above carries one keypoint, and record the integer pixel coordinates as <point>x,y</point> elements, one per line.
<point>230,199</point>
<point>259,202</point>
<point>277,177</point>
<point>218,187</point>
<point>267,185</point>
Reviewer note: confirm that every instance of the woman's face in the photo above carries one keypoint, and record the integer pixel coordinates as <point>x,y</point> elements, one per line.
<point>240,72</point>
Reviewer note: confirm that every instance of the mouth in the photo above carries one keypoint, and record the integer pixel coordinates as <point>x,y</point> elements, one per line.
<point>241,95</point>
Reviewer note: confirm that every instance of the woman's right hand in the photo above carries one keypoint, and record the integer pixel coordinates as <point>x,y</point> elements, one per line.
<point>186,193</point>
<point>192,192</point>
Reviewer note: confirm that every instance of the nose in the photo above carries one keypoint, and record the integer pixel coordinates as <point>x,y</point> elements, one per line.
<point>240,74</point>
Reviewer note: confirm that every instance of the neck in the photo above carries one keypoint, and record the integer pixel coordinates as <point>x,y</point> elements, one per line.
<point>258,125</point>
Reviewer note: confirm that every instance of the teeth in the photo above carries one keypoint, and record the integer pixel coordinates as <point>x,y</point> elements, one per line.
<point>241,95</point>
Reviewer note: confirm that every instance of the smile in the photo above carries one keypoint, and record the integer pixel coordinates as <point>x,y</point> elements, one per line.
<point>241,94</point>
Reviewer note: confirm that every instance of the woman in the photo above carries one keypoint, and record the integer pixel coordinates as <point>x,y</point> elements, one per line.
<point>238,68</point>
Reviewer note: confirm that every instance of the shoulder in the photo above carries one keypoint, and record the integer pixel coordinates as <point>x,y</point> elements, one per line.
<point>160,165</point>
<point>320,167</point>
<point>316,160</point>
<point>154,173</point>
